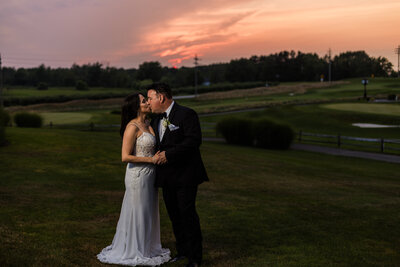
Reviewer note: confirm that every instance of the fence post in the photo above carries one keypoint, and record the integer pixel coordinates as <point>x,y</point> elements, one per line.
<point>382,145</point>
<point>338,140</point>
<point>300,136</point>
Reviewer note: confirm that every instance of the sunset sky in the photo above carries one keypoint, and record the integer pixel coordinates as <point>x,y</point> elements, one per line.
<point>125,33</point>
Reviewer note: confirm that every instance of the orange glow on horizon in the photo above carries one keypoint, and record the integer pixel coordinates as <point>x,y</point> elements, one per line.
<point>342,26</point>
<point>172,32</point>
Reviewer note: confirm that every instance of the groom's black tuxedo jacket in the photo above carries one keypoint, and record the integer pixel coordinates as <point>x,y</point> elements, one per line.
<point>185,166</point>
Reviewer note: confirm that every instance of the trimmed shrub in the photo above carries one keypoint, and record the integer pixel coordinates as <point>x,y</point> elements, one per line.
<point>271,135</point>
<point>260,133</point>
<point>42,86</point>
<point>25,119</point>
<point>236,131</point>
<point>81,86</point>
<point>283,137</point>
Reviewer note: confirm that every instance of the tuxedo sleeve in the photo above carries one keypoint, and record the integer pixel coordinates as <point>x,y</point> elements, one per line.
<point>191,138</point>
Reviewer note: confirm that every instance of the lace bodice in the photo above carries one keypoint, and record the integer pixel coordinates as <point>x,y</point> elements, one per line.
<point>145,145</point>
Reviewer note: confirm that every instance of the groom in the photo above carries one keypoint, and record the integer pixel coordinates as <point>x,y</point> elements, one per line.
<point>181,168</point>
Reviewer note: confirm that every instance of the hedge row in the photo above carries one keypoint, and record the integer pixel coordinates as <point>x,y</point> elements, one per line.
<point>25,119</point>
<point>260,133</point>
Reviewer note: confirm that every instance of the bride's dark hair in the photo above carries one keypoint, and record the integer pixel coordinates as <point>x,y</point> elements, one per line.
<point>129,111</point>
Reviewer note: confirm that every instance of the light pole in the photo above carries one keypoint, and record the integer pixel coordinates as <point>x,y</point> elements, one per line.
<point>397,51</point>
<point>365,82</point>
<point>330,65</point>
<point>196,63</point>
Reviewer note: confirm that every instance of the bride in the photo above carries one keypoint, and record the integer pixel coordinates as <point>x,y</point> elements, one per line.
<point>137,237</point>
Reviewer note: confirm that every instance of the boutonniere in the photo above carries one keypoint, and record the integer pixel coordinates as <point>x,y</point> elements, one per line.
<point>165,122</point>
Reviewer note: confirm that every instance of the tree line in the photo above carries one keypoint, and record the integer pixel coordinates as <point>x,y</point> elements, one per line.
<point>279,67</point>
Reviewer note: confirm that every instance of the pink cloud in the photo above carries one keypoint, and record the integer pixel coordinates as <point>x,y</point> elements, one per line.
<point>126,32</point>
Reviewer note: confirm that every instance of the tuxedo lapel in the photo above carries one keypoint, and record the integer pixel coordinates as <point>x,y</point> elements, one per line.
<point>173,111</point>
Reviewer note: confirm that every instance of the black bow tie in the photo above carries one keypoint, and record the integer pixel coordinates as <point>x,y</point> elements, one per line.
<point>163,115</point>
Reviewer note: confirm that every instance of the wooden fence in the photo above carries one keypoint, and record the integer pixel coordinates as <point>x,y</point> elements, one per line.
<point>381,144</point>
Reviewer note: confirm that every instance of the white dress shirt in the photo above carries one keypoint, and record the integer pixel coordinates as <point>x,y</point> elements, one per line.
<point>161,125</point>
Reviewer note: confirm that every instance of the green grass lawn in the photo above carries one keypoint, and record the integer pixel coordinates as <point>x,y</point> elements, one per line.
<point>331,119</point>
<point>61,191</point>
<point>303,112</point>
<point>65,117</point>
<point>350,91</point>
<point>376,86</point>
<point>69,119</point>
<point>319,119</point>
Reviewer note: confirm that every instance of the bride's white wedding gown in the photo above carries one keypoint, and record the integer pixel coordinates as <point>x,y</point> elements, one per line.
<point>137,238</point>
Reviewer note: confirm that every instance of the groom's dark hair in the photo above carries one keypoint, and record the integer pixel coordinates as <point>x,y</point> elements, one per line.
<point>161,88</point>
